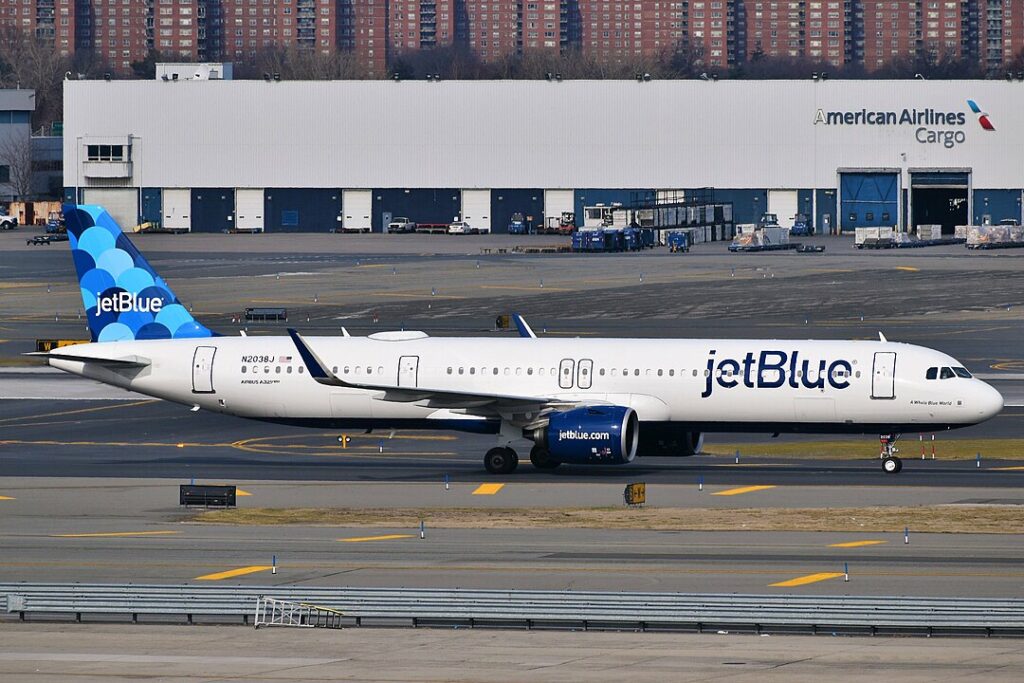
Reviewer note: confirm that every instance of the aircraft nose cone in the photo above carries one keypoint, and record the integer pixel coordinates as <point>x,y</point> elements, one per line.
<point>991,402</point>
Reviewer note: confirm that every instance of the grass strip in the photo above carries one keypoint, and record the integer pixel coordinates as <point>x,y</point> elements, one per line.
<point>959,519</point>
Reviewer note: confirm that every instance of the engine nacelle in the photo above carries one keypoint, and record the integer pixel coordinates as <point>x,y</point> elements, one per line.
<point>661,439</point>
<point>594,435</point>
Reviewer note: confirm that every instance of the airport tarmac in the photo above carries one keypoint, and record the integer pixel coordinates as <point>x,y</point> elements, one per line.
<point>184,654</point>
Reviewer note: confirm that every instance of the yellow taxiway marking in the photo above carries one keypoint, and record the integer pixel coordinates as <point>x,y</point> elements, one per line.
<point>1015,468</point>
<point>855,544</point>
<point>117,533</point>
<point>231,573</point>
<point>388,537</point>
<point>909,269</point>
<point>520,288</point>
<point>742,490</point>
<point>487,489</point>
<point>810,578</point>
<point>7,498</point>
<point>81,410</point>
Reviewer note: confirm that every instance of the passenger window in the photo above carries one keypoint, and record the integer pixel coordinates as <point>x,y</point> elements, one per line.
<point>277,369</point>
<point>962,372</point>
<point>449,371</point>
<point>602,371</point>
<point>637,372</point>
<point>660,372</point>
<point>346,369</point>
<point>529,371</point>
<point>495,371</point>
<point>472,371</point>
<point>946,373</point>
<point>615,372</point>
<point>462,371</point>
<point>289,370</point>
<point>243,370</point>
<point>335,369</point>
<point>540,372</point>
<point>671,373</point>
<point>932,373</point>
<point>519,371</point>
<point>301,370</point>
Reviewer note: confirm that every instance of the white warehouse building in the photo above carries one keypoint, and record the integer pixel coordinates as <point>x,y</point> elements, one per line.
<point>315,155</point>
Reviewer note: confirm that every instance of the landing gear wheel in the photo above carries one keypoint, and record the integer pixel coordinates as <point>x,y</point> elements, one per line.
<point>501,460</point>
<point>542,460</point>
<point>892,464</point>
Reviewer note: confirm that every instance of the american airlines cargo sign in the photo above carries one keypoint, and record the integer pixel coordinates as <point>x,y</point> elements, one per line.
<point>930,126</point>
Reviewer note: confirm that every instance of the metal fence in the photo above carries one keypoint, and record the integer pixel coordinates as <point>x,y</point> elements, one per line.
<point>525,609</point>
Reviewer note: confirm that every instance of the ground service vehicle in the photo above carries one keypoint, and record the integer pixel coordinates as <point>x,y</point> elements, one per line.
<point>401,224</point>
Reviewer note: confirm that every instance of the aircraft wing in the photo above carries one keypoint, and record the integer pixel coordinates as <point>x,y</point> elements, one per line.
<point>319,371</point>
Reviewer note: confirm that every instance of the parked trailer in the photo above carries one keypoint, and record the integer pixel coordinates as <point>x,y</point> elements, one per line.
<point>1005,236</point>
<point>762,238</point>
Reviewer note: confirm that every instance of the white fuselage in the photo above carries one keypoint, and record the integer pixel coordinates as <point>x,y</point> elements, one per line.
<point>704,385</point>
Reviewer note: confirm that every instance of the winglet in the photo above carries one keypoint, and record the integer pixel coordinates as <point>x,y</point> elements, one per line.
<point>881,337</point>
<point>524,328</point>
<point>316,368</point>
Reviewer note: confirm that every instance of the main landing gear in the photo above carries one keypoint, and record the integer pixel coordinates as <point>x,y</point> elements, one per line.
<point>890,463</point>
<point>501,460</point>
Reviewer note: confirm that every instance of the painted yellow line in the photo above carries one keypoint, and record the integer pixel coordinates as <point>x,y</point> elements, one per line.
<point>231,573</point>
<point>388,537</point>
<point>118,533</point>
<point>487,489</point>
<point>742,489</point>
<point>81,410</point>
<point>855,544</point>
<point>1015,468</point>
<point>7,498</point>
<point>519,288</point>
<point>909,269</point>
<point>810,578</point>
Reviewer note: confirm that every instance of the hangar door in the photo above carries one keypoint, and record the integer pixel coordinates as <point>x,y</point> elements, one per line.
<point>249,209</point>
<point>868,199</point>
<point>357,208</point>
<point>939,198</point>
<point>121,203</point>
<point>784,204</point>
<point>557,202</point>
<point>476,209</point>
<point>177,213</point>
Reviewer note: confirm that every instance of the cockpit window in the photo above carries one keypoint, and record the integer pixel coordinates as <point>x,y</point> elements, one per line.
<point>946,373</point>
<point>932,373</point>
<point>962,372</point>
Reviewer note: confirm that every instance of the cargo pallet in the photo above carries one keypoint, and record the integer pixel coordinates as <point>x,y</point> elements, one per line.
<point>996,245</point>
<point>765,247</point>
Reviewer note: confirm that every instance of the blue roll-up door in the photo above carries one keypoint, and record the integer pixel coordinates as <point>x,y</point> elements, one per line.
<point>213,209</point>
<point>302,209</point>
<point>869,199</point>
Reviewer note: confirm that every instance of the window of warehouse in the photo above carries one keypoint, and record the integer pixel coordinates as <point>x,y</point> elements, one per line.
<point>107,153</point>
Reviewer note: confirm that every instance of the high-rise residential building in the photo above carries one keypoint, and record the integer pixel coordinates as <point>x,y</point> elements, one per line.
<point>491,27</point>
<point>117,33</point>
<point>544,25</point>
<point>363,32</point>
<point>175,28</point>
<point>711,31</point>
<point>420,24</point>
<point>944,28</point>
<point>1001,32</point>
<point>50,21</point>
<point>249,26</point>
<point>615,30</point>
<point>775,28</point>
<point>887,32</point>
<point>828,36</point>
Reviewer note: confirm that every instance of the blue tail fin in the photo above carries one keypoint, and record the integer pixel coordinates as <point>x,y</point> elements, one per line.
<point>123,297</point>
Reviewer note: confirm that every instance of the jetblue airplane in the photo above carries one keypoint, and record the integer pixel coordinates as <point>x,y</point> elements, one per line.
<point>580,401</point>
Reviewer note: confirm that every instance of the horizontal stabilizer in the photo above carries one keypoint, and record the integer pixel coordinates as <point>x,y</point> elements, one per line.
<point>125,362</point>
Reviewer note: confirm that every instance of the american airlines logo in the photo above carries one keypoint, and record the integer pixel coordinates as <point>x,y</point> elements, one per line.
<point>124,302</point>
<point>983,119</point>
<point>774,370</point>
<point>573,435</point>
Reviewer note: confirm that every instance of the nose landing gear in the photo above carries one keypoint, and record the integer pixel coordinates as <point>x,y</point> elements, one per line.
<point>888,451</point>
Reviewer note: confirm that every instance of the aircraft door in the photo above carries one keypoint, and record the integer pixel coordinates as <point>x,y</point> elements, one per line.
<point>883,376</point>
<point>583,373</point>
<point>202,369</point>
<point>408,371</point>
<point>565,373</point>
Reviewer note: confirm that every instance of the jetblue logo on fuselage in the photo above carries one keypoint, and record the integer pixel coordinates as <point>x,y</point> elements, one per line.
<point>774,370</point>
<point>123,302</point>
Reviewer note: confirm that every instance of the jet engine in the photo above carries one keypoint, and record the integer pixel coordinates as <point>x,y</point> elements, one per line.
<point>661,439</point>
<point>591,435</point>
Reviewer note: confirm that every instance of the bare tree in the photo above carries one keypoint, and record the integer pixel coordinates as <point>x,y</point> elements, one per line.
<point>16,154</point>
<point>32,63</point>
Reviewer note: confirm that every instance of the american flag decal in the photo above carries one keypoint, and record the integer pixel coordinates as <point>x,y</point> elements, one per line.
<point>284,359</point>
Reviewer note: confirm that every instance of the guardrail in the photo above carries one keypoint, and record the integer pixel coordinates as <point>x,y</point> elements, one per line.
<point>528,609</point>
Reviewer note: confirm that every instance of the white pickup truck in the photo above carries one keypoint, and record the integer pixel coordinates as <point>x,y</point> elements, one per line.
<point>8,222</point>
<point>401,224</point>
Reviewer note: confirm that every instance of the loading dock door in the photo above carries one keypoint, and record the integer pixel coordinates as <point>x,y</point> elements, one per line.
<point>121,203</point>
<point>476,209</point>
<point>249,209</point>
<point>556,202</point>
<point>868,200</point>
<point>177,213</point>
<point>940,198</point>
<point>784,204</point>
<point>357,207</point>
<point>883,376</point>
<point>202,369</point>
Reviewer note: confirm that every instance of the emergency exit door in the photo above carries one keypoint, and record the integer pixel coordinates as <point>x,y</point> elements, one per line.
<point>408,370</point>
<point>883,377</point>
<point>202,369</point>
<point>565,373</point>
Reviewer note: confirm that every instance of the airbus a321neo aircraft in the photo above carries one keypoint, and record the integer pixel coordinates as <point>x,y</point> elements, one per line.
<point>580,401</point>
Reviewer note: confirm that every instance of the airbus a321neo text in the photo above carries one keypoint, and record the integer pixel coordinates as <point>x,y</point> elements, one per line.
<point>580,401</point>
